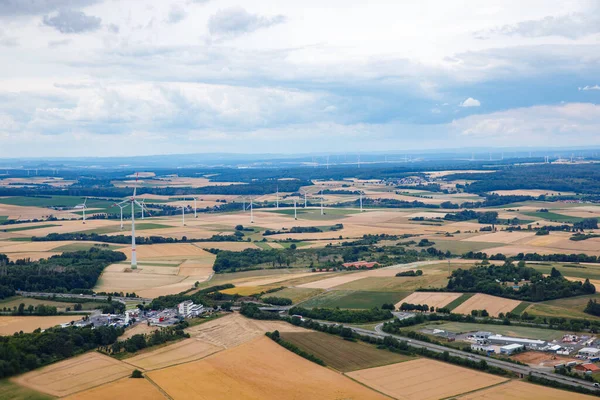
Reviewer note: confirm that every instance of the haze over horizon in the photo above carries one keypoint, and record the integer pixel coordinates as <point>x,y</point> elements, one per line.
<point>110,78</point>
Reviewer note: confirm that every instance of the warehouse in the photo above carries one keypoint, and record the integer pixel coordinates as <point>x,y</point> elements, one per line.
<point>504,340</point>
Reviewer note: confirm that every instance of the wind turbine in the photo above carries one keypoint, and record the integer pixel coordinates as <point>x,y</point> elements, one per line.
<point>361,196</point>
<point>322,198</point>
<point>83,207</point>
<point>304,192</point>
<point>195,212</point>
<point>143,207</point>
<point>243,203</point>
<point>251,210</point>
<point>277,196</point>
<point>295,213</point>
<point>183,215</point>
<point>133,203</point>
<point>121,207</point>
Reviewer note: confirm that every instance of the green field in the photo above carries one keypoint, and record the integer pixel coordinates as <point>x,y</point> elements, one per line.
<point>298,295</point>
<point>551,216</point>
<point>460,247</point>
<point>516,331</point>
<point>28,228</point>
<point>68,202</point>
<point>455,303</point>
<point>3,218</point>
<point>343,355</point>
<point>84,246</point>
<point>589,271</point>
<point>315,213</point>
<point>397,283</point>
<point>354,299</point>
<point>14,301</point>
<point>12,391</point>
<point>139,226</point>
<point>571,307</point>
<point>520,308</point>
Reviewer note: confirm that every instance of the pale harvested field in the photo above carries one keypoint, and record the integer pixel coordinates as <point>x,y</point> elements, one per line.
<point>233,246</point>
<point>30,247</point>
<point>271,280</point>
<point>234,329</point>
<point>530,192</point>
<point>173,288</point>
<point>132,389</point>
<point>24,213</point>
<point>431,299</point>
<point>439,174</point>
<point>139,329</point>
<point>258,370</point>
<point>516,249</point>
<point>423,379</point>
<point>500,237</point>
<point>32,255</point>
<point>196,267</point>
<point>329,283</point>
<point>516,390</point>
<point>167,250</point>
<point>75,374</point>
<point>494,305</point>
<point>12,324</point>
<point>133,281</point>
<point>182,352</point>
<point>582,212</point>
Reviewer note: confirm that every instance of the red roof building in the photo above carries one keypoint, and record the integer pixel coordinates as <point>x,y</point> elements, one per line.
<point>593,368</point>
<point>360,264</point>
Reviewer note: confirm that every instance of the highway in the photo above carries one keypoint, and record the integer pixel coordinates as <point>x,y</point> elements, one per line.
<point>82,296</point>
<point>518,369</point>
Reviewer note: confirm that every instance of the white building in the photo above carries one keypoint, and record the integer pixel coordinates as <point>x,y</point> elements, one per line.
<point>483,348</point>
<point>188,309</point>
<point>589,352</point>
<point>510,348</point>
<point>504,340</point>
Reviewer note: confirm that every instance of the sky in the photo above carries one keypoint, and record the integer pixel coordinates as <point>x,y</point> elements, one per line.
<point>119,78</point>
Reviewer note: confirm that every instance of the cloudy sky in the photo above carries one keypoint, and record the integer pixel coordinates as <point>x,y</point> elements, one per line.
<point>105,77</point>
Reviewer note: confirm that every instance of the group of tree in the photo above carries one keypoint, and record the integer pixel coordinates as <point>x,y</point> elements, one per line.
<point>414,307</point>
<point>487,217</point>
<point>23,352</point>
<point>141,341</point>
<point>277,301</point>
<point>60,273</point>
<point>410,273</point>
<point>570,258</point>
<point>592,308</point>
<point>516,282</point>
<point>126,239</point>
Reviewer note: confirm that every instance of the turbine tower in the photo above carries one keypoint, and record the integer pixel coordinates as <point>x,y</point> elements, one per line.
<point>83,207</point>
<point>121,207</point>
<point>195,208</point>
<point>133,202</point>
<point>322,198</point>
<point>295,213</point>
<point>277,196</point>
<point>361,195</point>
<point>183,215</point>
<point>304,193</point>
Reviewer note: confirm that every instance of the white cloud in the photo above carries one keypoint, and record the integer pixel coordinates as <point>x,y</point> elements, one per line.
<point>237,21</point>
<point>586,88</point>
<point>470,102</point>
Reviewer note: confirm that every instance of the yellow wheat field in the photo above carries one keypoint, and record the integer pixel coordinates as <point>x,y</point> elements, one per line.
<point>75,374</point>
<point>423,379</point>
<point>132,389</point>
<point>515,390</point>
<point>12,324</point>
<point>184,351</point>
<point>257,370</point>
<point>494,305</point>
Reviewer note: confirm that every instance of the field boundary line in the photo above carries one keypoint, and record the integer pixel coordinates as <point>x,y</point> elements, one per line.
<point>508,380</point>
<point>161,390</point>
<point>368,387</point>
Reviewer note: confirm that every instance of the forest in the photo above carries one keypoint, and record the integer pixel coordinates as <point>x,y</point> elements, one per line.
<point>24,352</point>
<point>60,273</point>
<point>516,282</point>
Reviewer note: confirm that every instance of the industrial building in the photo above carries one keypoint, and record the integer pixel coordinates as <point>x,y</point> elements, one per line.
<point>188,309</point>
<point>588,352</point>
<point>511,348</point>
<point>504,340</point>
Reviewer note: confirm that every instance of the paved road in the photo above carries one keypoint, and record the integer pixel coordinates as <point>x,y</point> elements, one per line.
<point>82,296</point>
<point>519,369</point>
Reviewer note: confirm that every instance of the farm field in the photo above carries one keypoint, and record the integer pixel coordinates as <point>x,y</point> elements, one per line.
<point>494,305</point>
<point>60,306</point>
<point>126,387</point>
<point>354,299</point>
<point>432,299</point>
<point>424,379</point>
<point>12,391</point>
<point>75,374</point>
<point>570,307</point>
<point>297,295</point>
<point>181,352</point>
<point>341,354</point>
<point>516,390</point>
<point>257,370</point>
<point>515,331</point>
<point>12,324</point>
<point>233,330</point>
